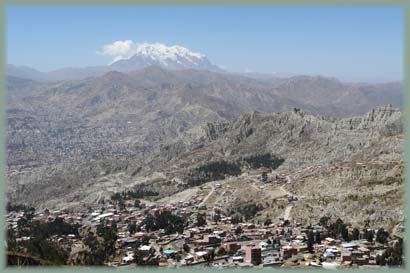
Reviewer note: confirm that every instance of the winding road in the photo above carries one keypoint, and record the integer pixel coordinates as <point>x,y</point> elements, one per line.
<point>288,209</point>
<point>209,194</point>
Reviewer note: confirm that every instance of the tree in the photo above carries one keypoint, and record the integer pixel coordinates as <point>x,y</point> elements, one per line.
<point>356,234</point>
<point>47,250</point>
<point>345,234</point>
<point>137,203</point>
<point>310,241</point>
<point>318,238</point>
<point>216,217</point>
<point>264,160</point>
<point>221,251</point>
<point>382,236</point>
<point>96,254</point>
<point>393,256</point>
<point>368,235</point>
<point>274,242</point>
<point>110,237</point>
<point>213,171</point>
<point>324,220</point>
<point>139,257</point>
<point>138,229</point>
<point>99,229</point>
<point>22,224</point>
<point>381,260</point>
<point>166,220</point>
<point>209,258</point>
<point>186,248</point>
<point>338,228</point>
<point>235,219</point>
<point>238,230</point>
<point>132,227</point>
<point>11,240</point>
<point>264,177</point>
<point>200,220</point>
<point>102,246</point>
<point>267,222</point>
<point>121,204</point>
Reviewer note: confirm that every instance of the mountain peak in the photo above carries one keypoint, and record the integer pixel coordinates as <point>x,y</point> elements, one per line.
<point>174,57</point>
<point>163,53</point>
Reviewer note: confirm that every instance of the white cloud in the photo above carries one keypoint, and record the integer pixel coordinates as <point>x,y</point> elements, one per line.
<point>119,50</point>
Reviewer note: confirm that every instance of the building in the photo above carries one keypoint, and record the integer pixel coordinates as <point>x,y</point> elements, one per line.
<point>253,254</point>
<point>211,239</point>
<point>231,247</point>
<point>144,250</point>
<point>346,256</point>
<point>288,251</point>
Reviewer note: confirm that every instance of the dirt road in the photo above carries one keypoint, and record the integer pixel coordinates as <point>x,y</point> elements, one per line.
<point>209,194</point>
<point>286,214</point>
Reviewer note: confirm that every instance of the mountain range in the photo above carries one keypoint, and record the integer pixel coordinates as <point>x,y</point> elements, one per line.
<point>158,116</point>
<point>169,57</point>
<point>153,106</point>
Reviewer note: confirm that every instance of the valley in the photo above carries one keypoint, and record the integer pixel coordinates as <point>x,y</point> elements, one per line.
<point>236,152</point>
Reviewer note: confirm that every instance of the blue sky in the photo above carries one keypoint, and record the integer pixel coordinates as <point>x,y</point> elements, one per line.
<point>352,44</point>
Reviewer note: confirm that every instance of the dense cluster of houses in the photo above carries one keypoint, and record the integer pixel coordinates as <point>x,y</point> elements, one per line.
<point>220,244</point>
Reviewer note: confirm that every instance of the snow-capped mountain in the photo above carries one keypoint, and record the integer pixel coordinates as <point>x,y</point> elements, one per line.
<point>170,57</point>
